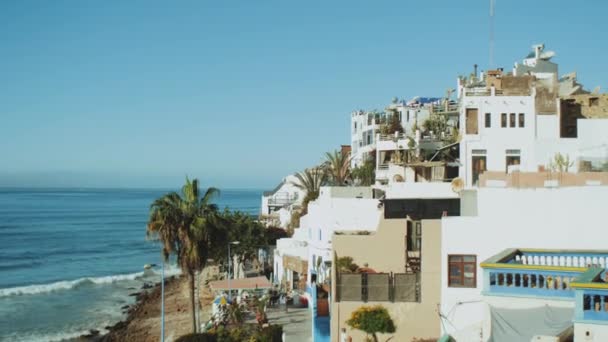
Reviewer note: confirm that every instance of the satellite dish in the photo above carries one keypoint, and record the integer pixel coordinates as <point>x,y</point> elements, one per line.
<point>546,55</point>
<point>457,185</point>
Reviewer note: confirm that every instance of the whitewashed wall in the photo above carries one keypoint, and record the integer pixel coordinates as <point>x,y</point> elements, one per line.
<point>563,218</point>
<point>496,139</point>
<point>538,141</point>
<point>547,127</point>
<point>296,246</point>
<point>358,125</point>
<point>420,190</point>
<point>590,332</point>
<point>328,214</point>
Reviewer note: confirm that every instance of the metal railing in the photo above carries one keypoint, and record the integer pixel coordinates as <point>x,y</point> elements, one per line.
<point>547,273</point>
<point>441,108</point>
<point>392,137</point>
<point>281,201</point>
<point>378,287</point>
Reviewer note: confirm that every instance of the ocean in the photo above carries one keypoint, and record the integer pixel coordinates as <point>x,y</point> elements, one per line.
<point>69,258</point>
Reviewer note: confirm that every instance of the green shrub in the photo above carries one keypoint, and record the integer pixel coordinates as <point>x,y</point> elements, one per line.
<point>372,320</point>
<point>271,333</point>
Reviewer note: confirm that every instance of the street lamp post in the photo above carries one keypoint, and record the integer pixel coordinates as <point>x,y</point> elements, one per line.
<point>162,300</point>
<point>229,262</point>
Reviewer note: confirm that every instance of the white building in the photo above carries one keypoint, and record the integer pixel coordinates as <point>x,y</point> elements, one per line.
<point>307,254</point>
<point>289,259</point>
<point>364,126</point>
<point>277,204</point>
<point>569,218</point>
<point>336,209</point>
<point>514,121</point>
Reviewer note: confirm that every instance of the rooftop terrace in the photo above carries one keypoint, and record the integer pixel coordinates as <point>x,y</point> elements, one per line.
<point>578,275</point>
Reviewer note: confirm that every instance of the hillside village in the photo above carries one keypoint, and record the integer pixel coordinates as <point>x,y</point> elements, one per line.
<point>469,217</point>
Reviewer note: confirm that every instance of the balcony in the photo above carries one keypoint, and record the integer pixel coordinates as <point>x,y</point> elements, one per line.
<point>450,109</point>
<point>282,199</point>
<point>392,137</point>
<point>382,172</point>
<point>539,273</point>
<point>592,296</point>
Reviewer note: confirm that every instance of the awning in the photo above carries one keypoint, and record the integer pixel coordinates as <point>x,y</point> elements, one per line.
<point>241,284</point>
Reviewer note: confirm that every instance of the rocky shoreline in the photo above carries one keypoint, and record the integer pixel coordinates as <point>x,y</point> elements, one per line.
<point>143,317</point>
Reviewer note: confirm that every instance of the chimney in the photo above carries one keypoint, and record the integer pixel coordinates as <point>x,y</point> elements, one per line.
<point>475,70</point>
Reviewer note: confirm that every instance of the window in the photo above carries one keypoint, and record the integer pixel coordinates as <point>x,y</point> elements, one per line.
<point>414,235</point>
<point>512,120</point>
<point>594,102</point>
<point>320,235</point>
<point>355,127</point>
<point>513,158</point>
<point>471,123</point>
<point>462,271</point>
<point>488,120</point>
<point>503,120</point>
<point>521,120</point>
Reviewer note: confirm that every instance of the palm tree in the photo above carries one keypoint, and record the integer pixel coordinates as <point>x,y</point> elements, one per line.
<point>310,181</point>
<point>365,174</point>
<point>338,167</point>
<point>184,224</point>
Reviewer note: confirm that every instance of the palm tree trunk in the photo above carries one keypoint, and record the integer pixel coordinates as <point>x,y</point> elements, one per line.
<point>192,301</point>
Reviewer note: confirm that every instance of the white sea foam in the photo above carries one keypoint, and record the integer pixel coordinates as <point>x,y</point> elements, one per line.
<point>66,284</point>
<point>170,270</point>
<point>53,336</point>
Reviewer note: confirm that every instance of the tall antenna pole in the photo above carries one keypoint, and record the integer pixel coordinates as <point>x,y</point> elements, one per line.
<point>491,33</point>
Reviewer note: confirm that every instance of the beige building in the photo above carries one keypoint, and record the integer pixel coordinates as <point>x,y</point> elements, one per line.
<point>406,282</point>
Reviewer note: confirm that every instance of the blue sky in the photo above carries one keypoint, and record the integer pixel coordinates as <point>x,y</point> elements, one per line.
<point>241,93</point>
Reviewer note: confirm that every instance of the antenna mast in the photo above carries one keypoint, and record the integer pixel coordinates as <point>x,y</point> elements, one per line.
<point>491,33</point>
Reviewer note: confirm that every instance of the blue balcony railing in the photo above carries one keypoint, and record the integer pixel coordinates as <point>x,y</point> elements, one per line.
<point>576,275</point>
<point>530,282</point>
<point>538,273</point>
<point>591,291</point>
<point>593,304</point>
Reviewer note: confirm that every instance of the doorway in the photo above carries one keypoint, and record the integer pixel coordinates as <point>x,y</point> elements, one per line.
<point>478,167</point>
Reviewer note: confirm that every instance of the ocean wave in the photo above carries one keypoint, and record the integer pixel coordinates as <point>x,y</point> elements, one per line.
<point>170,270</point>
<point>51,337</point>
<point>68,335</point>
<point>66,284</point>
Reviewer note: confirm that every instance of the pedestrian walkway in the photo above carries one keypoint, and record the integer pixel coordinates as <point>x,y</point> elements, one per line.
<point>297,323</point>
